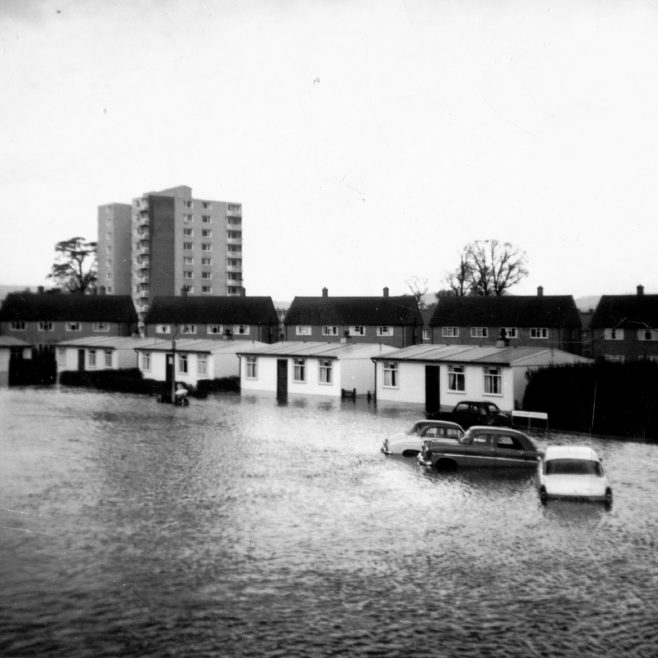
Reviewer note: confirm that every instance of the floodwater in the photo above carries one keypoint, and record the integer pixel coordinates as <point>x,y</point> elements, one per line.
<point>238,527</point>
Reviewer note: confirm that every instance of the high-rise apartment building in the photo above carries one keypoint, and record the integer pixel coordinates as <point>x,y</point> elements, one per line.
<point>114,248</point>
<point>176,243</point>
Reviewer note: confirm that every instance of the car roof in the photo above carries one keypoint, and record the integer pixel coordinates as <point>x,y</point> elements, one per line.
<point>489,429</point>
<point>571,452</point>
<point>439,423</point>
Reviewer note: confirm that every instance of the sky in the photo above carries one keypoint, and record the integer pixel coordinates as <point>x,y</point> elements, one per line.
<point>368,141</point>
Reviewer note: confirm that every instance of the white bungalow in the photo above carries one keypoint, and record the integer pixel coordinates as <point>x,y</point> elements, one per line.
<point>11,346</point>
<point>310,368</point>
<point>194,359</point>
<point>99,353</point>
<point>440,376</point>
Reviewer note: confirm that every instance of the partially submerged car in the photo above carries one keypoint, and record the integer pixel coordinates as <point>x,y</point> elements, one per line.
<point>409,443</point>
<point>572,473</point>
<point>482,446</point>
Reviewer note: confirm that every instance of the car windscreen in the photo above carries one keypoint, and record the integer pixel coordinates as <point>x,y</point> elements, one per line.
<point>573,467</point>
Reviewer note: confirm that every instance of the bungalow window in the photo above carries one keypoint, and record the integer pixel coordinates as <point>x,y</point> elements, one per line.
<point>251,368</point>
<point>188,329</point>
<point>303,330</point>
<point>108,358</point>
<point>241,329</point>
<point>202,365</point>
<point>358,330</point>
<point>329,330</point>
<point>299,370</point>
<point>214,329</point>
<point>325,371</point>
<point>384,331</point>
<point>493,381</point>
<point>45,325</point>
<point>539,332</point>
<point>91,358</point>
<point>647,334</point>
<point>479,332</point>
<point>390,374</point>
<point>146,361</point>
<point>101,326</point>
<point>182,363</point>
<point>456,379</point>
<point>17,325</point>
<point>511,332</point>
<point>162,329</point>
<point>450,332</point>
<point>613,334</point>
<point>73,326</point>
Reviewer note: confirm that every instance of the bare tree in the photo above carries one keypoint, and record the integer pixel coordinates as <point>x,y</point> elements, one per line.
<point>418,288</point>
<point>75,265</point>
<point>488,267</point>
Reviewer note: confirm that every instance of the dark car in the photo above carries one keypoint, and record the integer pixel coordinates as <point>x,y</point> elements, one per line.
<point>482,446</point>
<point>471,412</point>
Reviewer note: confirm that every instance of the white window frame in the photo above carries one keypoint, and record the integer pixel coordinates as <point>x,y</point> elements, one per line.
<point>450,332</point>
<point>648,334</point>
<point>202,365</point>
<point>206,233</point>
<point>511,332</point>
<point>493,380</point>
<point>539,333</point>
<point>17,325</point>
<point>188,260</point>
<point>206,276</point>
<point>457,378</point>
<point>206,260</point>
<point>206,289</point>
<point>108,358</point>
<point>162,328</point>
<point>358,330</point>
<point>100,326</point>
<point>214,329</point>
<point>187,246</point>
<point>206,246</point>
<point>325,371</point>
<point>188,329</point>
<point>303,330</point>
<point>91,358</point>
<point>146,361</point>
<point>479,332</point>
<point>183,363</point>
<point>251,367</point>
<point>241,329</point>
<point>46,325</point>
<point>391,372</point>
<point>613,333</point>
<point>299,371</point>
<point>329,330</point>
<point>188,232</point>
<point>385,330</point>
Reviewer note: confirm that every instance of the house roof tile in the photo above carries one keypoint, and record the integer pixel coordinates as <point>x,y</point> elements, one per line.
<point>211,310</point>
<point>629,311</point>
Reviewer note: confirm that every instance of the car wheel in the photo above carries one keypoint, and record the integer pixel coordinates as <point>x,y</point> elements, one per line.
<point>543,496</point>
<point>445,465</point>
<point>410,453</point>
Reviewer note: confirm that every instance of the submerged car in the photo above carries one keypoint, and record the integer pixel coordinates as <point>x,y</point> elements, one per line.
<point>482,446</point>
<point>572,473</point>
<point>409,443</point>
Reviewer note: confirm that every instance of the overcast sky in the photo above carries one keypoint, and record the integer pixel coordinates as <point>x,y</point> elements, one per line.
<point>367,141</point>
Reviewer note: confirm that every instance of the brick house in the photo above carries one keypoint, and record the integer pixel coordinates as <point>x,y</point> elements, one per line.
<point>394,321</point>
<point>522,320</point>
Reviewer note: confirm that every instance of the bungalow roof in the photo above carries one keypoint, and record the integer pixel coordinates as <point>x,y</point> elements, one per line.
<point>320,349</point>
<point>368,311</point>
<point>507,311</point>
<point>10,341</point>
<point>628,311</point>
<point>108,342</point>
<point>202,346</point>
<point>210,310</point>
<point>32,307</point>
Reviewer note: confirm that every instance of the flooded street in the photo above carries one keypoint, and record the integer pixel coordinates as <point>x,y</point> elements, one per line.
<point>238,527</point>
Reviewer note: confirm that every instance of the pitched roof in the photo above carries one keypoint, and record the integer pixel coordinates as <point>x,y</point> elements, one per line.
<point>54,307</point>
<point>201,346</point>
<point>507,311</point>
<point>318,349</point>
<point>630,311</point>
<point>211,310</point>
<point>345,311</point>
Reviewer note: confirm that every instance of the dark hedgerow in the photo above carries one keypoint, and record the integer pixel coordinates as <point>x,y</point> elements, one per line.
<point>128,380</point>
<point>610,398</point>
<point>221,384</point>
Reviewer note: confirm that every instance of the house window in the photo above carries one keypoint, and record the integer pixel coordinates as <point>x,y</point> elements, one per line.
<point>187,218</point>
<point>206,247</point>
<point>384,331</point>
<point>299,370</point>
<point>214,329</point>
<point>182,363</point>
<point>358,330</point>
<point>206,275</point>
<point>325,371</point>
<point>303,330</point>
<point>206,204</point>
<point>188,204</point>
<point>479,332</point>
<point>187,274</point>
<point>162,328</point>
<point>188,260</point>
<point>17,325</point>
<point>613,334</point>
<point>493,381</point>
<point>91,358</point>
<point>241,329</point>
<point>189,232</point>
<point>539,332</point>
<point>188,329</point>
<point>46,325</point>
<point>450,332</point>
<point>101,326</point>
<point>206,261</point>
<point>146,361</point>
<point>647,334</point>
<point>329,330</point>
<point>205,219</point>
<point>108,358</point>
<point>390,374</point>
<point>511,332</point>
<point>456,379</point>
<point>187,246</point>
<point>202,365</point>
<point>251,369</point>
<point>206,233</point>
<point>206,289</point>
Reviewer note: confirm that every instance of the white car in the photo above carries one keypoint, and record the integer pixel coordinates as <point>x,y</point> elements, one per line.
<point>409,443</point>
<point>572,473</point>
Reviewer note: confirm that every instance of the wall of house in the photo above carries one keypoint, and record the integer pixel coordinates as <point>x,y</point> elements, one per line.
<point>401,337</point>
<point>255,332</point>
<point>265,375</point>
<point>67,358</point>
<point>358,374</point>
<point>629,348</point>
<point>32,335</point>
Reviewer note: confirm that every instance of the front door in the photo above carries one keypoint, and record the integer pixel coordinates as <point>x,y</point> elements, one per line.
<point>432,390</point>
<point>169,370</point>
<point>81,360</point>
<point>282,379</point>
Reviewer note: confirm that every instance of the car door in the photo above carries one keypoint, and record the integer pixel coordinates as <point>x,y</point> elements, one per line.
<point>510,451</point>
<point>480,451</point>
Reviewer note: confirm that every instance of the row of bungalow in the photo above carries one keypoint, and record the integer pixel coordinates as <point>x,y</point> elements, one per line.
<point>468,346</point>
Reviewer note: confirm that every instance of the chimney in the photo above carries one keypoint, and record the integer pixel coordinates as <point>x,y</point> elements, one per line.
<point>540,291</point>
<point>640,291</point>
<point>385,291</point>
<point>325,292</point>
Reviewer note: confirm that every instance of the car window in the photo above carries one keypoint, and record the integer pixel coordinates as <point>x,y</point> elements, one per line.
<point>461,407</point>
<point>481,439</point>
<point>573,467</point>
<point>508,442</point>
<point>492,408</point>
<point>430,432</point>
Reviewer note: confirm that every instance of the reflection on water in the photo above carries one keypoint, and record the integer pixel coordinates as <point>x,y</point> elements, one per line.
<point>241,527</point>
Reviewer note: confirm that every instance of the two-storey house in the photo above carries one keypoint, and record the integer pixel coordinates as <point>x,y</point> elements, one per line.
<point>388,320</point>
<point>625,327</point>
<point>521,320</point>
